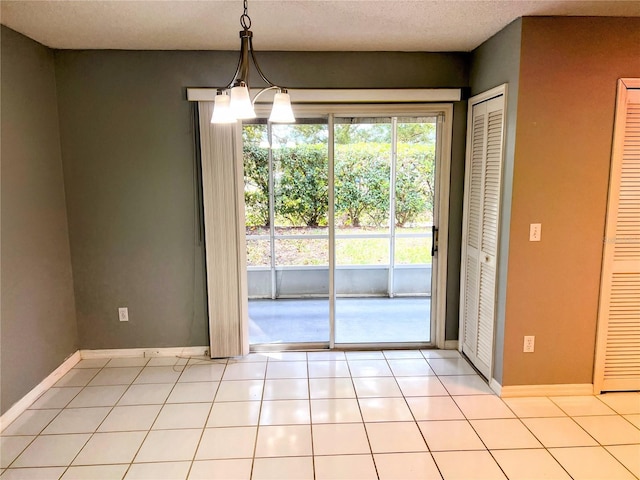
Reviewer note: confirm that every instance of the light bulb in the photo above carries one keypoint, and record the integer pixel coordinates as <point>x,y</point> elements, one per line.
<point>281,111</point>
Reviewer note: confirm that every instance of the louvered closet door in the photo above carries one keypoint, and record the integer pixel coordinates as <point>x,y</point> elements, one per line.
<point>482,207</point>
<point>618,349</point>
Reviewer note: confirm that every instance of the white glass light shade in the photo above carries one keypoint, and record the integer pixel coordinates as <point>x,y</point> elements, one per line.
<point>241,103</point>
<point>282,111</point>
<point>222,110</point>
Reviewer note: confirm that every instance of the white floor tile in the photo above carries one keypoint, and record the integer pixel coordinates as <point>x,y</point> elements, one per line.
<point>527,464</point>
<point>251,358</point>
<point>51,451</point>
<point>395,437</point>
<point>112,447</point>
<point>610,429</point>
<point>285,412</point>
<point>202,373</point>
<point>331,388</point>
<point>504,434</point>
<point>440,353</point>
<point>127,362</point>
<point>534,407</point>
<point>340,439</point>
<point>559,432</point>
<point>385,410</point>
<point>465,385</point>
<point>11,447</point>
<point>105,396</point>
<point>335,410</point>
<point>469,465</point>
<point>146,394</point>
<point>231,442</point>
<point>286,356</point>
<point>193,392</point>
<point>92,363</point>
<point>239,390</point>
<point>434,408</point>
<point>159,375</point>
<point>245,371</point>
<point>406,466</point>
<point>401,354</point>
<point>237,469</point>
<point>130,418</point>
<point>329,355</point>
<point>483,406</point>
<point>96,472</point>
<point>286,370</point>
<point>77,420</point>
<point>369,368</point>
<point>421,386</point>
<point>31,422</point>
<point>116,376</point>
<point>410,367</point>
<point>623,403</point>
<point>77,377</point>
<point>286,468</point>
<point>341,467</point>
<point>376,387</point>
<point>582,405</point>
<point>182,415</point>
<point>634,418</point>
<point>234,414</point>
<point>365,355</point>
<point>169,445</point>
<point>158,471</point>
<point>450,435</point>
<point>628,455</point>
<point>592,463</point>
<point>451,366</point>
<point>55,398</point>
<point>166,361</point>
<point>286,389</point>
<point>328,369</point>
<point>50,473</point>
<point>284,441</point>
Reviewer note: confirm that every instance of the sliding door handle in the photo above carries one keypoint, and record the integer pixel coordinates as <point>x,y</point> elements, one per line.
<point>434,240</point>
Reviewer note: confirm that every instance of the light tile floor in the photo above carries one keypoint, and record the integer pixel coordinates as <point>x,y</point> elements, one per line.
<point>317,415</point>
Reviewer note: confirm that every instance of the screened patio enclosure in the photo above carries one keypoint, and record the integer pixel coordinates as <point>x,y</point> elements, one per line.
<point>339,215</point>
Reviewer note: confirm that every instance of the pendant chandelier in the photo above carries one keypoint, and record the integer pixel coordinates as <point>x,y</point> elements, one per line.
<point>233,102</point>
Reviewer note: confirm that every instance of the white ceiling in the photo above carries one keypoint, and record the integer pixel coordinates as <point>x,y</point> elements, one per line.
<point>304,25</point>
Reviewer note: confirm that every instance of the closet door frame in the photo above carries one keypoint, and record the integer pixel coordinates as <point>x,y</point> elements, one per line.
<point>495,92</point>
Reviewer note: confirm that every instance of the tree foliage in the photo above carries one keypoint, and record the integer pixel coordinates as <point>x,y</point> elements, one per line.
<point>362,174</point>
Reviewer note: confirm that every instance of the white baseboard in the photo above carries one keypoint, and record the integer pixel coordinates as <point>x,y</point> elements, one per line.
<point>495,386</point>
<point>26,401</point>
<point>451,344</point>
<point>545,390</point>
<point>145,352</point>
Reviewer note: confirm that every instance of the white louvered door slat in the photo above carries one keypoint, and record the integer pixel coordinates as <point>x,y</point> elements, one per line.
<point>482,209</point>
<point>617,364</point>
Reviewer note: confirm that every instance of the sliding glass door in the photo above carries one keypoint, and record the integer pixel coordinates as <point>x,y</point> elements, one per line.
<point>339,240</point>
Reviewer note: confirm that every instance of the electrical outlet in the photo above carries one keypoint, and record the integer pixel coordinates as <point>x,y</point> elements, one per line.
<point>529,343</point>
<point>535,232</point>
<point>123,314</point>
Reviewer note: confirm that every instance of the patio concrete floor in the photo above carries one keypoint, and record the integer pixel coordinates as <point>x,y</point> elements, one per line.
<point>358,320</point>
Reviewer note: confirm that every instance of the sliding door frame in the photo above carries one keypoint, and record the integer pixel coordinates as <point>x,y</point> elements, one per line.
<point>443,112</point>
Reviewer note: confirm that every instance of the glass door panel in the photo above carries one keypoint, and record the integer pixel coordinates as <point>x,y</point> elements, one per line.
<point>384,180</point>
<point>289,297</point>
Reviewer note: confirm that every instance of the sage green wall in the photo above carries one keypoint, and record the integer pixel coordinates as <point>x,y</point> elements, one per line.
<point>128,153</point>
<point>38,326</point>
<point>493,63</point>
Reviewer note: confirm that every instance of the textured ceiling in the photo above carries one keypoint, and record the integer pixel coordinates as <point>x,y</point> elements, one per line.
<point>335,25</point>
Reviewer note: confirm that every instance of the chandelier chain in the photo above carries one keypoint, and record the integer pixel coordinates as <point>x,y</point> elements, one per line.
<point>245,20</point>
